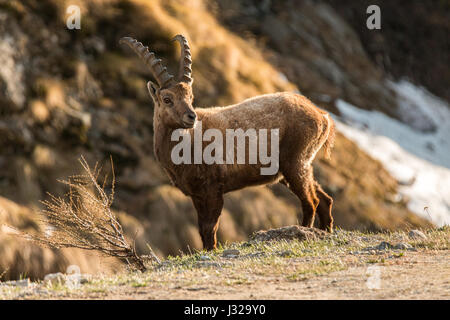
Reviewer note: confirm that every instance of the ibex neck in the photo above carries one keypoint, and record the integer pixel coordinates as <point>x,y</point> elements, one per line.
<point>161,138</point>
<point>162,144</point>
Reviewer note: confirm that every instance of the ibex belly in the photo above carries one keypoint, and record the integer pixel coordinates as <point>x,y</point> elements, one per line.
<point>241,176</point>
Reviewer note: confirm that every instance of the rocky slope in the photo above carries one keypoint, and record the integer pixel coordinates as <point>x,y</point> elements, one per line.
<point>64,93</point>
<point>396,49</point>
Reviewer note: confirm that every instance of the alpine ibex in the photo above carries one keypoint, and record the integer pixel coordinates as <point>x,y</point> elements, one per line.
<point>302,130</point>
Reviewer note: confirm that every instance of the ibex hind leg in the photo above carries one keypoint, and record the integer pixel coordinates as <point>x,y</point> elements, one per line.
<point>324,209</point>
<point>301,184</point>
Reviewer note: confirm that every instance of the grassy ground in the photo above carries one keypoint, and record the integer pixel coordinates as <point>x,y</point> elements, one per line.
<point>340,266</point>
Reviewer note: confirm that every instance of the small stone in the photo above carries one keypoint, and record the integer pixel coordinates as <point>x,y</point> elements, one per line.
<point>205,258</point>
<point>384,246</point>
<point>196,288</point>
<point>25,294</point>
<point>208,264</point>
<point>286,253</point>
<point>231,253</point>
<point>17,283</point>
<point>402,246</point>
<point>290,233</point>
<point>40,291</point>
<point>85,278</point>
<point>255,255</point>
<point>417,234</point>
<point>55,278</point>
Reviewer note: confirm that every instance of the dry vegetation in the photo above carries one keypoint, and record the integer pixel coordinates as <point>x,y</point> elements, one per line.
<point>22,258</point>
<point>83,219</point>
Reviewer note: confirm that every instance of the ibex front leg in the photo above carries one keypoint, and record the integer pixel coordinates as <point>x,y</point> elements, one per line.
<point>209,208</point>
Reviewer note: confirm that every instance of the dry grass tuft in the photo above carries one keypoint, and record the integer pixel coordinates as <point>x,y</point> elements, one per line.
<point>83,219</point>
<point>3,273</point>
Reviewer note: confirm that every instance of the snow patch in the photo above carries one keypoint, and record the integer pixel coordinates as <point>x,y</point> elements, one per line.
<point>419,160</point>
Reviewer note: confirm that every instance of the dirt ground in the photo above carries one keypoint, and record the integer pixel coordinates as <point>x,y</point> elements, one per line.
<point>421,275</point>
<point>424,275</point>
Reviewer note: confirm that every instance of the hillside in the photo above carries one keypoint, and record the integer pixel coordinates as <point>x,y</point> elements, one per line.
<point>66,93</point>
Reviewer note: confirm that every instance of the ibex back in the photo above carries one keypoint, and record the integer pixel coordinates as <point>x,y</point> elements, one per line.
<point>302,131</point>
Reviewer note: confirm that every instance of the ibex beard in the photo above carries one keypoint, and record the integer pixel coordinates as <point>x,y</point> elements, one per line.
<point>299,127</point>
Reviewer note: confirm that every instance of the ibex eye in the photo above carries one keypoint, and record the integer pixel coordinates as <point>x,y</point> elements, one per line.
<point>167,101</point>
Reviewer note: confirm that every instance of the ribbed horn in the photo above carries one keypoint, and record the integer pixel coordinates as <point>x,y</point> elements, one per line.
<point>185,71</point>
<point>162,76</point>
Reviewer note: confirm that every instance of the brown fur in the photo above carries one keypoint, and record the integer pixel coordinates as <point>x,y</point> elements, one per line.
<point>303,130</point>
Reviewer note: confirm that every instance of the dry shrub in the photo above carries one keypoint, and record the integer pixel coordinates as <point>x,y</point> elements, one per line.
<point>83,219</point>
<point>19,257</point>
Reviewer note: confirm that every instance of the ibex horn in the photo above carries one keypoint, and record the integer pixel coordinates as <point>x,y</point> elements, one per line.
<point>159,71</point>
<point>185,71</point>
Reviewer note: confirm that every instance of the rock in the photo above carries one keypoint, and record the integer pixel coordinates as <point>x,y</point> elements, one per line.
<point>231,253</point>
<point>290,233</point>
<point>286,253</point>
<point>25,294</point>
<point>417,235</point>
<point>85,278</point>
<point>205,258</point>
<point>384,246</point>
<point>256,254</point>
<point>196,288</point>
<point>248,244</point>
<point>18,283</point>
<point>55,279</point>
<point>40,291</point>
<point>403,246</point>
<point>208,264</point>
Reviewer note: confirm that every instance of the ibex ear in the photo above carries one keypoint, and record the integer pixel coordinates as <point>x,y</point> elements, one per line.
<point>153,90</point>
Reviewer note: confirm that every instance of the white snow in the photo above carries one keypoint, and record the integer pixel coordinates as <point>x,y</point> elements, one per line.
<point>419,161</point>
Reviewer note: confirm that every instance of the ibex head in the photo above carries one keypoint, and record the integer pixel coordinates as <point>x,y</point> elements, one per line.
<point>172,96</point>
